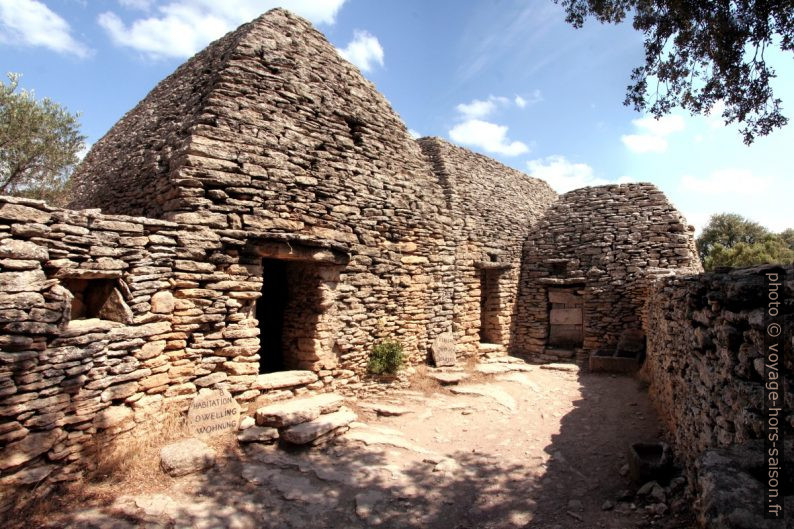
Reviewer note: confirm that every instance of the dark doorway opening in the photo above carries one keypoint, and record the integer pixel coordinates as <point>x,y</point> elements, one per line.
<point>270,311</point>
<point>489,306</point>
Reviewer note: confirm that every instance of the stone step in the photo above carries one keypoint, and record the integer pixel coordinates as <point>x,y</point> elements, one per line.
<point>448,377</point>
<point>496,368</point>
<point>284,379</point>
<point>310,431</point>
<point>296,411</point>
<point>491,348</point>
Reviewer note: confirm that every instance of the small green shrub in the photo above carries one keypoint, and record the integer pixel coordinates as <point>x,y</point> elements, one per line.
<point>386,357</point>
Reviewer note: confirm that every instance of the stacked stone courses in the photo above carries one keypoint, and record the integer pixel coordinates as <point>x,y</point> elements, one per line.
<point>267,158</point>
<point>607,243</point>
<point>706,357</point>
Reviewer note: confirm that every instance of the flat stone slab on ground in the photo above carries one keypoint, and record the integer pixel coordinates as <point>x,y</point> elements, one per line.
<point>284,379</point>
<point>499,395</point>
<point>387,410</point>
<point>448,378</point>
<point>307,432</point>
<point>296,411</point>
<point>497,368</point>
<point>571,368</point>
<point>186,457</point>
<point>258,434</point>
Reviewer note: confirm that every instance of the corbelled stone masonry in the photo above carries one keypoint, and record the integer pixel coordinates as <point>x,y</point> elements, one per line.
<point>705,365</point>
<point>287,142</point>
<point>606,244</point>
<point>495,209</point>
<point>267,182</point>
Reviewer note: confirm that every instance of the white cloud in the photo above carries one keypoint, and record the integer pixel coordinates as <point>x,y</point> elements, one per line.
<point>739,182</point>
<point>642,143</point>
<point>182,27</point>
<point>653,133</point>
<point>31,23</point>
<point>533,98</point>
<point>488,136</point>
<point>563,175</point>
<point>477,108</point>
<point>142,5</point>
<point>415,134</point>
<point>364,50</point>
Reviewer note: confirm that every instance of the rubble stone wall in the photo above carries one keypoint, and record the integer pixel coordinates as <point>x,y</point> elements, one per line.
<point>494,208</point>
<point>607,243</point>
<point>705,357</point>
<point>291,144</point>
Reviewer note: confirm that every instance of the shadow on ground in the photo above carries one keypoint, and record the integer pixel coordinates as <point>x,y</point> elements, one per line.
<point>558,480</point>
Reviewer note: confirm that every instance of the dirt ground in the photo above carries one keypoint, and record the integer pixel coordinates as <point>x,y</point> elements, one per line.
<point>535,448</point>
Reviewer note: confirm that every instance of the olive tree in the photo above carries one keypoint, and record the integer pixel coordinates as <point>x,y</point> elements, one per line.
<point>39,144</point>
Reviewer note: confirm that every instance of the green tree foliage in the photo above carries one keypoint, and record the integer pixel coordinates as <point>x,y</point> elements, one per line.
<point>731,240</point>
<point>700,52</point>
<point>39,144</point>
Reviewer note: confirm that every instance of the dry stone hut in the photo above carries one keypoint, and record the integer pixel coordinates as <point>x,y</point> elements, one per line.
<point>257,223</point>
<point>589,264</point>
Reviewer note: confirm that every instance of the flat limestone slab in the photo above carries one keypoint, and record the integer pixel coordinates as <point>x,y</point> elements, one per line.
<point>502,367</point>
<point>307,432</point>
<point>448,378</point>
<point>296,411</point>
<point>499,395</point>
<point>186,457</point>
<point>258,434</point>
<point>570,368</point>
<point>387,410</point>
<point>284,379</point>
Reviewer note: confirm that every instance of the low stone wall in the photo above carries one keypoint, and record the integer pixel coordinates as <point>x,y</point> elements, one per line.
<point>705,364</point>
<point>705,357</point>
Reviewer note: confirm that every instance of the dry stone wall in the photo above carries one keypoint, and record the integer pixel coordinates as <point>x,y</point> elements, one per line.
<point>494,208</point>
<point>605,244</point>
<point>291,144</point>
<point>705,365</point>
<point>705,358</point>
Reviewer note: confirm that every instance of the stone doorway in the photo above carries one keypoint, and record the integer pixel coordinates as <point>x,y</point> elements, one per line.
<point>490,329</point>
<point>565,318</point>
<point>270,312</point>
<point>296,309</point>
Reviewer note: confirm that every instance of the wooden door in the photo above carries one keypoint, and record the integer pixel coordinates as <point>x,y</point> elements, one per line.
<point>565,318</point>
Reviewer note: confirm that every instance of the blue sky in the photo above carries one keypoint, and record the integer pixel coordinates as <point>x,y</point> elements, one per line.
<point>507,78</point>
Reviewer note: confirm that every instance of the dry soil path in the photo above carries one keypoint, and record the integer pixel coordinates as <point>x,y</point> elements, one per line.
<point>535,448</point>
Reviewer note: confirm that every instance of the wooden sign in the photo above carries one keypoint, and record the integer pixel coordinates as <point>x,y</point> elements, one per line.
<point>213,412</point>
<point>443,350</point>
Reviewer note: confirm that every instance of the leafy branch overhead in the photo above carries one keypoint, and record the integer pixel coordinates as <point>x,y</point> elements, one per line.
<point>39,144</point>
<point>701,52</point>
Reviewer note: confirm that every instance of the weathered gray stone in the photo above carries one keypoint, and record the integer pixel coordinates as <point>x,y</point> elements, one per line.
<point>284,379</point>
<point>187,456</point>
<point>115,309</point>
<point>28,448</point>
<point>307,432</point>
<point>17,249</point>
<point>258,434</point>
<point>296,411</point>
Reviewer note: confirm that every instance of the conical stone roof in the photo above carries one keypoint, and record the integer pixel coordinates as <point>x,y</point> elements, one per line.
<point>267,128</point>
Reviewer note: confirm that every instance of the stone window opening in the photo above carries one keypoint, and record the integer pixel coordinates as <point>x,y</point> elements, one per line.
<point>356,127</point>
<point>97,298</point>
